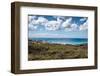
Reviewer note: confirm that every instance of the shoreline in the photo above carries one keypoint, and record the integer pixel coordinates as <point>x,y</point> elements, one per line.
<point>43,41</point>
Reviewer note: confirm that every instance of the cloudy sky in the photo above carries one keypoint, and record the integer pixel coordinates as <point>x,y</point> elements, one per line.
<point>43,26</point>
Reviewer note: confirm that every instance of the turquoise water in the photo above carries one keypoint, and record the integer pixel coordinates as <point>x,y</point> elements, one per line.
<point>72,41</point>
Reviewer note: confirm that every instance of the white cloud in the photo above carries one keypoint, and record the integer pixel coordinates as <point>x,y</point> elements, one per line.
<point>84,26</point>
<point>39,21</point>
<point>35,23</point>
<point>52,25</point>
<point>74,26</point>
<point>60,17</point>
<point>31,27</point>
<point>67,23</point>
<point>68,26</point>
<point>30,18</point>
<point>42,21</point>
<point>49,25</point>
<point>83,19</point>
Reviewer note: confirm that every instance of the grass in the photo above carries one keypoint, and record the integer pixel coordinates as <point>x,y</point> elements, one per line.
<point>45,51</point>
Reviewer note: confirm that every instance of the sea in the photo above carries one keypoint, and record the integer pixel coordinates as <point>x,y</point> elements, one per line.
<point>72,41</point>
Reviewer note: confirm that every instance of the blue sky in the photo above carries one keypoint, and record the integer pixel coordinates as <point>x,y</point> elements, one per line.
<point>43,26</point>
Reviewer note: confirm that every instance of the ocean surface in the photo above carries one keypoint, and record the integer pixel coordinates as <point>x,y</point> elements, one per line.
<point>72,41</point>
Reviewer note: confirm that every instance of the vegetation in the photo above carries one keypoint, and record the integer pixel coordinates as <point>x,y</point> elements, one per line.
<point>46,51</point>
